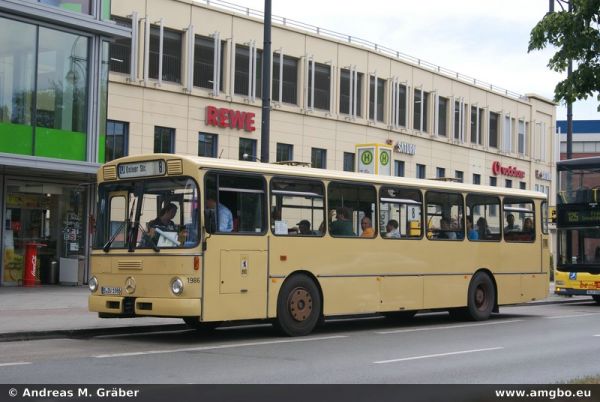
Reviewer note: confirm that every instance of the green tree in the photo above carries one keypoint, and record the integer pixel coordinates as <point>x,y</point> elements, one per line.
<point>576,36</point>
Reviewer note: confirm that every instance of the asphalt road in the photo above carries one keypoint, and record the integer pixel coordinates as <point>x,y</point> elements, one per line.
<point>523,344</point>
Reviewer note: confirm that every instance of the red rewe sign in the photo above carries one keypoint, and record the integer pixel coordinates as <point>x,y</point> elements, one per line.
<point>223,117</point>
<point>511,171</point>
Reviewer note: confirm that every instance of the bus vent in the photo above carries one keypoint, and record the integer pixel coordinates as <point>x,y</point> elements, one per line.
<point>129,305</point>
<point>175,166</point>
<point>110,173</point>
<point>129,264</point>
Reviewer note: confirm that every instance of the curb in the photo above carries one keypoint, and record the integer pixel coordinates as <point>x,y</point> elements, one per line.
<point>87,333</point>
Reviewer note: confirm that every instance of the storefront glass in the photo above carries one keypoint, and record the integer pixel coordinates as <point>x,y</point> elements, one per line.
<point>49,214</point>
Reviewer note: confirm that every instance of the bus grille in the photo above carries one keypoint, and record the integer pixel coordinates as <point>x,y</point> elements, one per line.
<point>175,166</point>
<point>133,264</point>
<point>129,305</point>
<point>110,173</point>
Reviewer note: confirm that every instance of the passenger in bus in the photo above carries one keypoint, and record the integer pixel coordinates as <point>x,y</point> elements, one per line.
<point>472,234</point>
<point>511,227</point>
<point>446,231</point>
<point>391,228</point>
<point>304,228</point>
<point>224,216</point>
<point>367,227</point>
<point>482,229</point>
<point>342,226</point>
<point>527,225</point>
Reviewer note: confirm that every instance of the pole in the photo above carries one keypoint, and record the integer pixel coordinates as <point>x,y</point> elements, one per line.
<point>266,88</point>
<point>570,106</point>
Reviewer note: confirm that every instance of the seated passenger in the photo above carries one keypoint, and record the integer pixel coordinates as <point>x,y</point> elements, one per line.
<point>224,215</point>
<point>367,227</point>
<point>472,234</point>
<point>342,226</point>
<point>482,229</point>
<point>304,228</point>
<point>527,225</point>
<point>511,227</point>
<point>392,231</point>
<point>446,231</point>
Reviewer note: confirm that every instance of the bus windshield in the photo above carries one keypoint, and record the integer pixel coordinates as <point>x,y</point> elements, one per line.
<point>147,214</point>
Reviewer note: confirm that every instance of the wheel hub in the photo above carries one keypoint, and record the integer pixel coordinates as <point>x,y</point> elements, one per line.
<point>300,304</point>
<point>481,298</point>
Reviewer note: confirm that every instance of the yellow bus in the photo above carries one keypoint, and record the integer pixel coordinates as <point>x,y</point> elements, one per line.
<point>213,240</point>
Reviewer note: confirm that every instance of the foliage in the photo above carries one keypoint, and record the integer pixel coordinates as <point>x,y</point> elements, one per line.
<point>576,36</point>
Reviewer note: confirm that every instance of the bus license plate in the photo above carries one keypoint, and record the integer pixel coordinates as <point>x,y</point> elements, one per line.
<point>593,292</point>
<point>110,291</point>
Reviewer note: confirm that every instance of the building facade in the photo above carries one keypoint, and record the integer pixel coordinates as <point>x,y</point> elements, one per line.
<point>53,93</point>
<point>190,82</point>
<point>586,138</point>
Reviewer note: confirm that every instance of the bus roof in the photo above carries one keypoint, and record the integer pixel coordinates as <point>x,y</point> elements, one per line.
<point>307,172</point>
<point>592,162</point>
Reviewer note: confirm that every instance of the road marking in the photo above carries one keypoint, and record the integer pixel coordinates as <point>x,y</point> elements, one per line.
<point>462,352</point>
<point>571,316</point>
<point>233,345</point>
<point>397,331</point>
<point>14,364</point>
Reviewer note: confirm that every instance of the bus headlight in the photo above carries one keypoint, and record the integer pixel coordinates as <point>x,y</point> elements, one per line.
<point>93,284</point>
<point>177,286</point>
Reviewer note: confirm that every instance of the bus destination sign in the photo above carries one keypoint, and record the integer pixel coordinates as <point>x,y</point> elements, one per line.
<point>142,169</point>
<point>578,215</point>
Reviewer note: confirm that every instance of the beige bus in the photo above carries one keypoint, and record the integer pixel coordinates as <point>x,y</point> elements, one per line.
<point>213,240</point>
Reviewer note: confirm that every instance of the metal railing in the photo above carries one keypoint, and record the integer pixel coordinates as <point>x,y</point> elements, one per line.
<point>286,22</point>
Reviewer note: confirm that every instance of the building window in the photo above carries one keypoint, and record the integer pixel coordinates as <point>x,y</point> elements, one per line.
<point>522,141</point>
<point>164,140</point>
<point>285,152</point>
<point>399,102</point>
<point>117,133</point>
<point>460,176</point>
<point>460,120</point>
<point>348,162</point>
<point>493,139</point>
<point>476,178</point>
<point>442,116</point>
<point>508,183</point>
<point>204,62</point>
<point>318,158</point>
<point>285,79</point>
<point>399,168</point>
<point>78,6</point>
<point>351,92</point>
<point>376,97</point>
<point>523,185</point>
<point>493,181</point>
<point>540,129</point>
<point>120,50</point>
<point>440,172</point>
<point>247,149</point>
<point>243,64</point>
<point>207,145</point>
<point>507,134</point>
<point>476,125</point>
<point>421,110</point>
<point>171,54</point>
<point>421,171</point>
<point>321,86</point>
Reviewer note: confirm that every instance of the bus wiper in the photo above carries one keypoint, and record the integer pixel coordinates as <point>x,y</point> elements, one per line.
<point>146,235</point>
<point>107,245</point>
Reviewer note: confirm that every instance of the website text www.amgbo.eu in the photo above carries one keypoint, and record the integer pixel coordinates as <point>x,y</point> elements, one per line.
<point>549,394</point>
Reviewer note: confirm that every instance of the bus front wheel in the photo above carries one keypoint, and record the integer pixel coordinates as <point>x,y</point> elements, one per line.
<point>298,306</point>
<point>481,297</point>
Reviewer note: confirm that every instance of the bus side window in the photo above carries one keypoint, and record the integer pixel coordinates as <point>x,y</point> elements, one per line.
<point>297,207</point>
<point>519,220</point>
<point>445,216</point>
<point>239,202</point>
<point>400,213</point>
<point>352,210</point>
<point>481,211</point>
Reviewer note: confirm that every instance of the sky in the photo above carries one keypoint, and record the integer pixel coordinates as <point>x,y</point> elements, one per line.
<point>486,40</point>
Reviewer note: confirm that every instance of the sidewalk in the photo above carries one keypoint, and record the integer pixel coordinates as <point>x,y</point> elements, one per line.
<point>31,312</point>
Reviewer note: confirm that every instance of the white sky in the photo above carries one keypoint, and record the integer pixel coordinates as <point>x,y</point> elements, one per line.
<point>486,40</point>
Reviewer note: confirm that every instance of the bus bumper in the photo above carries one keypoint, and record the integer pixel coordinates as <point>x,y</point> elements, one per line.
<point>576,292</point>
<point>116,306</point>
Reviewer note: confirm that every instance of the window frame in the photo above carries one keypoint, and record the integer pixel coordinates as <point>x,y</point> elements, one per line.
<point>461,205</point>
<point>498,204</point>
<point>374,220</point>
<point>422,197</point>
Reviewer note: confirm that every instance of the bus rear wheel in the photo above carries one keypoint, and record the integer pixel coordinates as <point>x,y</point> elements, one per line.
<point>596,298</point>
<point>481,297</point>
<point>203,327</point>
<point>298,306</point>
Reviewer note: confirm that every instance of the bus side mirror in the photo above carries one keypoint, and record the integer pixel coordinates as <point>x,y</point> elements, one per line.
<point>210,221</point>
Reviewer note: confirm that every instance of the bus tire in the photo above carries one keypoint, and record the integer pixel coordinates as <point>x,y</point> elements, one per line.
<point>202,327</point>
<point>298,306</point>
<point>596,298</point>
<point>481,297</point>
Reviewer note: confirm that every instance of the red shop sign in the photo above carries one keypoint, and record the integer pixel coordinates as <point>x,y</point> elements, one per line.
<point>223,117</point>
<point>511,171</point>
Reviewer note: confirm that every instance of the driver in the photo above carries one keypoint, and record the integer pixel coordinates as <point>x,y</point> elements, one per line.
<point>164,222</point>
